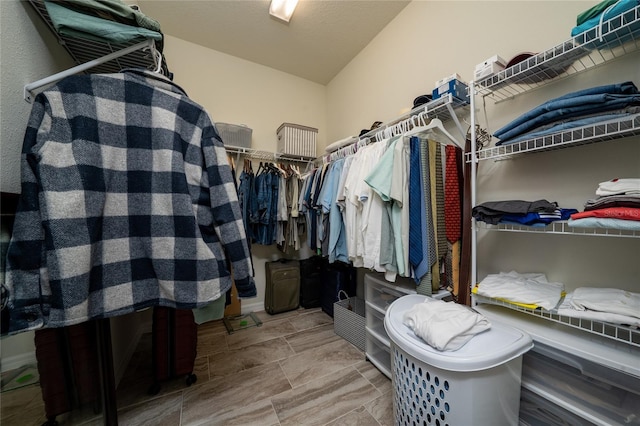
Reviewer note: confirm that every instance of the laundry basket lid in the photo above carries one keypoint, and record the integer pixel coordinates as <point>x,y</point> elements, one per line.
<point>496,346</point>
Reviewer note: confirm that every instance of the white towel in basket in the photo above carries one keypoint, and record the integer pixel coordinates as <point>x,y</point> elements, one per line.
<point>446,326</point>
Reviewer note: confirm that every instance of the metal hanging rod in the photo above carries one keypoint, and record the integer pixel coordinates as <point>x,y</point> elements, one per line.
<point>29,88</point>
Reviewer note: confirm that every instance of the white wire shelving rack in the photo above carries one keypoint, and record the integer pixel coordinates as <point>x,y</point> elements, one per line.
<point>94,56</point>
<point>266,155</point>
<point>617,332</point>
<point>561,227</point>
<point>442,108</point>
<point>615,38</point>
<point>593,133</point>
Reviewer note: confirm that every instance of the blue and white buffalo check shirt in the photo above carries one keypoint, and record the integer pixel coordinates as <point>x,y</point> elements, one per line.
<point>127,202</point>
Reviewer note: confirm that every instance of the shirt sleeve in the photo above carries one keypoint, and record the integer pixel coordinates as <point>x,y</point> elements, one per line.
<point>227,217</point>
<point>26,275</point>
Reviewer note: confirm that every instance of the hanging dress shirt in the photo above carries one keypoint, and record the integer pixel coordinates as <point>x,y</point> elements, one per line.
<point>127,202</point>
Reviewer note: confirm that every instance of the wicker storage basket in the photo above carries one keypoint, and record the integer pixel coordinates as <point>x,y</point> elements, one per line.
<point>349,320</point>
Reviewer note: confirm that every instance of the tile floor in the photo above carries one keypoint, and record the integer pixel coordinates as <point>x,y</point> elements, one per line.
<point>292,370</point>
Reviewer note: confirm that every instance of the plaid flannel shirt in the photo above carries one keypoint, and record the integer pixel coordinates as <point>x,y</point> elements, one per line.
<point>127,202</point>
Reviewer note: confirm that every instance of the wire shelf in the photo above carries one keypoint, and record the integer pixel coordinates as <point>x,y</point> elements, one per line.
<point>265,155</point>
<point>83,51</point>
<point>620,333</point>
<point>620,36</point>
<point>441,108</point>
<point>560,227</point>
<point>594,133</point>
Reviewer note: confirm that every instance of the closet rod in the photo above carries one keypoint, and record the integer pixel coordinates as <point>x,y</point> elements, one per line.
<point>266,155</point>
<point>446,101</point>
<point>408,123</point>
<point>429,108</point>
<point>29,88</point>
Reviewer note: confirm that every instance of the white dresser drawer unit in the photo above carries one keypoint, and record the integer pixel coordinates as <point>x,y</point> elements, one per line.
<point>375,320</point>
<point>594,393</point>
<point>379,294</point>
<point>378,353</point>
<point>382,293</point>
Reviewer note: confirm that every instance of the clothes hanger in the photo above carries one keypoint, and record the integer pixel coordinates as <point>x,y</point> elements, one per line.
<point>434,124</point>
<point>158,55</point>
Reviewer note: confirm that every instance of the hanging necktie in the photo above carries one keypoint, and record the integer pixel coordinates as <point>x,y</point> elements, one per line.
<point>415,209</point>
<point>429,239</point>
<point>437,182</point>
<point>464,289</point>
<point>452,215</point>
<point>452,195</point>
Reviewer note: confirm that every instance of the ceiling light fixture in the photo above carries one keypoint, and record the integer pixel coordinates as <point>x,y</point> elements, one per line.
<point>282,9</point>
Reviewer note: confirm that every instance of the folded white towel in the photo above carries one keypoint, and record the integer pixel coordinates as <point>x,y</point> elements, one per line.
<point>610,300</point>
<point>566,308</point>
<point>446,326</point>
<point>531,289</point>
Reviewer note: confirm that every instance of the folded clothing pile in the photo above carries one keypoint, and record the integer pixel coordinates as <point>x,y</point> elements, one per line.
<point>106,22</point>
<point>530,213</point>
<point>595,16</point>
<point>576,109</point>
<point>617,206</point>
<point>602,304</point>
<point>532,289</point>
<point>445,326</point>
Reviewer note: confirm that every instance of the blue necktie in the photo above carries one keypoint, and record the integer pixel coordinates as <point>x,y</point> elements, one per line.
<point>415,210</point>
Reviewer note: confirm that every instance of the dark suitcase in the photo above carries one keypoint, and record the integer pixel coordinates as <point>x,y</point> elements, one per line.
<point>311,281</point>
<point>174,345</point>
<point>335,277</point>
<point>282,291</point>
<point>68,366</point>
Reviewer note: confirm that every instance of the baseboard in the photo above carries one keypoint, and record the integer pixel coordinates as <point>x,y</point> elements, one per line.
<point>17,361</point>
<point>251,307</point>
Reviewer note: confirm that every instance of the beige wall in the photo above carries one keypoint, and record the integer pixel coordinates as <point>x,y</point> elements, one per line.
<point>429,40</point>
<point>237,91</point>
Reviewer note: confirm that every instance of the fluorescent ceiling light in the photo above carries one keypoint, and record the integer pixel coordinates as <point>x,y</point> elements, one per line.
<point>282,9</point>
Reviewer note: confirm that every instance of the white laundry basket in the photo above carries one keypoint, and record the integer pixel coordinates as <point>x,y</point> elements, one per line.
<point>479,384</point>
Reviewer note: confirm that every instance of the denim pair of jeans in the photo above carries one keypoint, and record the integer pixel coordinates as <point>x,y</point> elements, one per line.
<point>266,213</point>
<point>583,102</point>
<point>245,197</point>
<point>566,125</point>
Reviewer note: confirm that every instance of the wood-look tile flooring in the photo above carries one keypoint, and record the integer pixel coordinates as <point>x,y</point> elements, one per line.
<point>292,370</point>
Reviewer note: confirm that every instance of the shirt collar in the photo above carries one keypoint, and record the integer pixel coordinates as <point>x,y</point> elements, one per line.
<point>155,79</point>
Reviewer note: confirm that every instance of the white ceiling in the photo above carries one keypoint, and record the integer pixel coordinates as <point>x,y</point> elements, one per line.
<point>322,37</point>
